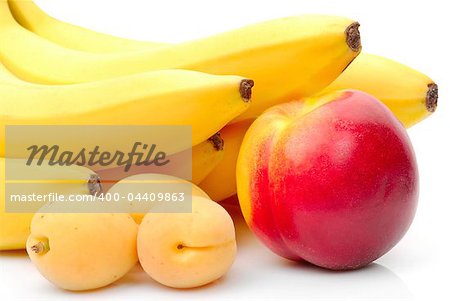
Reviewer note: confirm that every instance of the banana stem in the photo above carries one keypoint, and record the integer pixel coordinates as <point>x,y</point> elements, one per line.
<point>94,185</point>
<point>246,89</point>
<point>353,37</point>
<point>432,97</point>
<point>217,141</point>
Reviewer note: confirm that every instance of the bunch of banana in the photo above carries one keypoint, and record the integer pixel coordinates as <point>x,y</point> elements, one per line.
<point>401,88</point>
<point>66,180</point>
<point>287,58</point>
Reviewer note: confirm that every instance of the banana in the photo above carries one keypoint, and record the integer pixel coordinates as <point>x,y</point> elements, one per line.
<point>171,97</point>
<point>287,58</point>
<point>409,94</point>
<point>30,16</point>
<point>205,157</point>
<point>220,183</point>
<point>14,227</point>
<point>412,96</point>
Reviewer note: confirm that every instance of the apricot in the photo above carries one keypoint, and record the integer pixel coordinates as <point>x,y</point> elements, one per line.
<point>82,251</point>
<point>185,250</point>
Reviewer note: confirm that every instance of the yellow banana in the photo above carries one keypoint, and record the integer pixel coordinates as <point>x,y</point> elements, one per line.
<point>220,183</point>
<point>398,88</point>
<point>172,97</point>
<point>409,94</point>
<point>14,227</point>
<point>288,58</point>
<point>30,16</point>
<point>412,96</point>
<point>205,157</point>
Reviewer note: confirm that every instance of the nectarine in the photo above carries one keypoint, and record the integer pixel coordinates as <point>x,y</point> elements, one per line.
<point>332,181</point>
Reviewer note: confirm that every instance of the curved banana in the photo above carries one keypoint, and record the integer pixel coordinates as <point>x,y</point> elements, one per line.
<point>14,227</point>
<point>409,94</point>
<point>398,87</point>
<point>205,157</point>
<point>30,16</point>
<point>287,58</point>
<point>220,183</point>
<point>172,97</point>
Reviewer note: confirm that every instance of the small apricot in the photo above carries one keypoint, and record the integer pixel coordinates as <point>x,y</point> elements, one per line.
<point>82,251</point>
<point>185,250</point>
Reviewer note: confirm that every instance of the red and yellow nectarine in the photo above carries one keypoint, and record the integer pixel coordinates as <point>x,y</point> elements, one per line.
<point>334,183</point>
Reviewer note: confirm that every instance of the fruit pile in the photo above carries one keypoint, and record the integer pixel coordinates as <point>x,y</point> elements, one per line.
<point>312,140</point>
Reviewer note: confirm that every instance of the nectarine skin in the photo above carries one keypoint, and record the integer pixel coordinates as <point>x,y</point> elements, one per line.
<point>335,185</point>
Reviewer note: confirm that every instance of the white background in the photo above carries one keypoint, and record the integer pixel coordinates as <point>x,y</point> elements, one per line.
<point>412,32</point>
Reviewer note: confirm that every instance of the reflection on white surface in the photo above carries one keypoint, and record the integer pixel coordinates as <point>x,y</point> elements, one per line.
<point>257,273</point>
<point>305,280</point>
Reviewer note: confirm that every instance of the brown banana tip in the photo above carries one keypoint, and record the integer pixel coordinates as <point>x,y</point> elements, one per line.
<point>217,141</point>
<point>246,89</point>
<point>432,97</point>
<point>353,36</point>
<point>94,185</point>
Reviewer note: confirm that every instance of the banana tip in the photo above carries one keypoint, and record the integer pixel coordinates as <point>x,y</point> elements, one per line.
<point>217,141</point>
<point>432,97</point>
<point>246,89</point>
<point>94,185</point>
<point>353,36</point>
